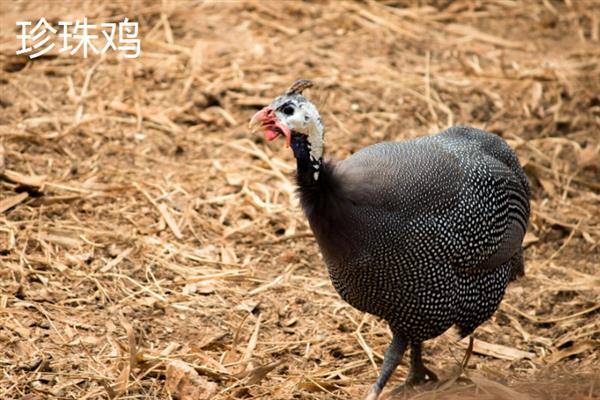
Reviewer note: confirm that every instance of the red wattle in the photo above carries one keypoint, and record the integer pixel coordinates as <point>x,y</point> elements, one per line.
<point>270,135</point>
<point>286,132</point>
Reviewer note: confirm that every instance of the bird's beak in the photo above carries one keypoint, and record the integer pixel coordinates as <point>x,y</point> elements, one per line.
<point>266,120</point>
<point>259,119</point>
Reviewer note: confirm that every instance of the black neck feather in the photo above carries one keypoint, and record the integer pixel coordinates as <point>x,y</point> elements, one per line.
<point>321,199</point>
<point>308,171</point>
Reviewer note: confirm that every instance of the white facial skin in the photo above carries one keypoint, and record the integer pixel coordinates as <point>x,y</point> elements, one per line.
<point>301,116</point>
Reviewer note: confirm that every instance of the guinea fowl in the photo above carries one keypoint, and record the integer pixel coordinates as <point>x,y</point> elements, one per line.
<point>424,233</point>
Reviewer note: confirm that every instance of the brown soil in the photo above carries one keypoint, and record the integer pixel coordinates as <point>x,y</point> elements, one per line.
<point>141,223</point>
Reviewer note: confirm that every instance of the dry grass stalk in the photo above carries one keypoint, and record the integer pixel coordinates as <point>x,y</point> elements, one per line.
<point>146,239</point>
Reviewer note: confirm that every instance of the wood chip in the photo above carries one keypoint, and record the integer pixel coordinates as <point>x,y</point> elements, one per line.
<point>497,351</point>
<point>184,383</point>
<point>25,180</point>
<point>577,348</point>
<point>12,201</point>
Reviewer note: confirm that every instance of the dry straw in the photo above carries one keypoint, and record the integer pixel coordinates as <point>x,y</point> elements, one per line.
<point>150,247</point>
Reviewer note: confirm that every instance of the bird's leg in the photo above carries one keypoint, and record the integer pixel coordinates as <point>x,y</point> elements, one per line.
<point>392,358</point>
<point>418,374</point>
<point>467,356</point>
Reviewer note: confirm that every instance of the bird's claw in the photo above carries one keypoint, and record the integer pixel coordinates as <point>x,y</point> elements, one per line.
<point>424,376</point>
<point>423,380</point>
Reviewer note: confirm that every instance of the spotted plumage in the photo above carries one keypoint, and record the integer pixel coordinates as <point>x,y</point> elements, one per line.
<point>424,233</point>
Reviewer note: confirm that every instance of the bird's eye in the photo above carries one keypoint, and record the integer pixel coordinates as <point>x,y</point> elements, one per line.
<point>288,110</point>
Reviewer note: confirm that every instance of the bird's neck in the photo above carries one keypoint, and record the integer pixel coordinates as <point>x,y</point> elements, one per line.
<point>321,197</point>
<point>308,151</point>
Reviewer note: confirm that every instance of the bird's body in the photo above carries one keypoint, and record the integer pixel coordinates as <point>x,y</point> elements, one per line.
<point>424,233</point>
<point>407,229</point>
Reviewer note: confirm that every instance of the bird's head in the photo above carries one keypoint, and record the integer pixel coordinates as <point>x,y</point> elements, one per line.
<point>290,113</point>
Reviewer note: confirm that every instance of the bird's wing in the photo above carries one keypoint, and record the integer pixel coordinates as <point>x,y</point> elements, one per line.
<point>496,170</point>
<point>408,177</point>
<point>507,213</point>
<point>479,202</point>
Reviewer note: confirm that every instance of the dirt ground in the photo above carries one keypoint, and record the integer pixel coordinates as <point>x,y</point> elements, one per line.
<point>151,247</point>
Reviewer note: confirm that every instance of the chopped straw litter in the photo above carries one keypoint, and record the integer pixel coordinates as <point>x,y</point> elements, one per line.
<point>150,247</point>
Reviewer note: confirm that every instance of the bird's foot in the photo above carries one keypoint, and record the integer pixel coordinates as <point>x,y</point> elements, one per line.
<point>423,379</point>
<point>373,393</point>
<point>421,376</point>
